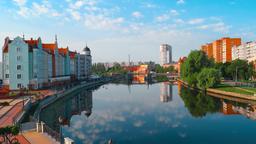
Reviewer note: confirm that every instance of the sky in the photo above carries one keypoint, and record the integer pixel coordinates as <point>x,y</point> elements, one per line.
<point>114,29</point>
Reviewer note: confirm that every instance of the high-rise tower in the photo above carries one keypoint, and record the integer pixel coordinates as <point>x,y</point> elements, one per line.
<point>165,54</point>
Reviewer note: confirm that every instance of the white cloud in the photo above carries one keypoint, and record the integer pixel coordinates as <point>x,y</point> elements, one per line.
<point>215,27</point>
<point>196,21</point>
<point>23,11</point>
<point>163,17</point>
<point>75,14</point>
<point>174,12</point>
<point>40,8</point>
<point>102,22</point>
<point>20,2</point>
<point>180,1</point>
<point>179,21</point>
<point>137,14</point>
<point>167,16</point>
<point>149,5</point>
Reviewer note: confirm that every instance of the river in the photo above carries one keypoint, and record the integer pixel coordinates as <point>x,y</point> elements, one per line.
<point>148,114</point>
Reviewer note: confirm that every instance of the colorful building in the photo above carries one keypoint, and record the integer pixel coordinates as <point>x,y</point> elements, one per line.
<point>33,64</point>
<point>180,62</point>
<point>208,49</point>
<point>221,49</point>
<point>246,51</point>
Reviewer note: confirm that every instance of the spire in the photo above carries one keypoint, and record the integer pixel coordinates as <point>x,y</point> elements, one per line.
<point>23,36</point>
<point>56,39</point>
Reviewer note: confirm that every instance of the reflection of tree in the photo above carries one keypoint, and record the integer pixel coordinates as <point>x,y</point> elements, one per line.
<point>198,103</point>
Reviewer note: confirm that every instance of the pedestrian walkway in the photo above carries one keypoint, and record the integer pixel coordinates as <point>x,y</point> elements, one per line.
<point>8,118</point>
<point>12,102</point>
<point>39,138</point>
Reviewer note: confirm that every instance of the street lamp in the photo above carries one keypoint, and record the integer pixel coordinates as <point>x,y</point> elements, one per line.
<point>60,120</point>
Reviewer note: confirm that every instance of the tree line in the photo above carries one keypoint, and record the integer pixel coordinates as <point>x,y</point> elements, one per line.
<point>200,71</point>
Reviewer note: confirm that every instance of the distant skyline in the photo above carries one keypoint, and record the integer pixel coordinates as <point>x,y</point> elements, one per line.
<point>114,29</point>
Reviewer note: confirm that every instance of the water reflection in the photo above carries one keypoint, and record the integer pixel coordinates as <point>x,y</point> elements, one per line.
<point>77,104</point>
<point>200,104</point>
<point>139,116</point>
<point>165,92</point>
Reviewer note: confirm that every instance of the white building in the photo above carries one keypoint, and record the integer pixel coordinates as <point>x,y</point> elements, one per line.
<point>246,51</point>
<point>165,54</point>
<point>84,64</point>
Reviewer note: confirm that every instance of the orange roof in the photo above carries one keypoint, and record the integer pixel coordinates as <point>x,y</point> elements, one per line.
<point>63,51</point>
<point>49,47</point>
<point>5,47</point>
<point>31,42</point>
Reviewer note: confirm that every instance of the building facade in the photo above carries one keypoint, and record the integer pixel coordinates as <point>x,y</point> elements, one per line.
<point>165,54</point>
<point>221,49</point>
<point>208,49</point>
<point>34,65</point>
<point>246,51</point>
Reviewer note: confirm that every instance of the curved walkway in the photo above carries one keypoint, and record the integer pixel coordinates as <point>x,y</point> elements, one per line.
<point>39,138</point>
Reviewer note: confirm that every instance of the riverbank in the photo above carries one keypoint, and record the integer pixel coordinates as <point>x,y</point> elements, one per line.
<point>214,92</point>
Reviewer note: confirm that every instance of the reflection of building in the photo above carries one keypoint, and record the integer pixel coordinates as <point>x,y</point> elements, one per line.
<point>227,108</point>
<point>138,79</point>
<point>165,92</point>
<point>165,54</point>
<point>80,103</point>
<point>139,69</point>
<point>249,111</point>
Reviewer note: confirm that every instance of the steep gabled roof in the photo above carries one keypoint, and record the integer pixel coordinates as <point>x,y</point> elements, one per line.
<point>63,51</point>
<point>50,47</point>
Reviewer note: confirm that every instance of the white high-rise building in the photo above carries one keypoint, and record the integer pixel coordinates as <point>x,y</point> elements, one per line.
<point>165,54</point>
<point>246,51</point>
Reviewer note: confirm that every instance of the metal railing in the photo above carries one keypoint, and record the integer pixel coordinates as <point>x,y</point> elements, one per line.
<point>51,132</point>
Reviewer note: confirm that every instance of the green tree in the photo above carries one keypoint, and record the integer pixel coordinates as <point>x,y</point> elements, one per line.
<point>196,61</point>
<point>208,77</point>
<point>241,70</point>
<point>8,133</point>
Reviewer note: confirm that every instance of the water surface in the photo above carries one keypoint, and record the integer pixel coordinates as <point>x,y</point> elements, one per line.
<point>148,114</point>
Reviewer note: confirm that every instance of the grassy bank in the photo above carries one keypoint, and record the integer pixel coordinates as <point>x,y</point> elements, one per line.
<point>239,90</point>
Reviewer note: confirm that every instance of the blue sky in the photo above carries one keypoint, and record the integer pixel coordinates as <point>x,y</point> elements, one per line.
<point>115,28</point>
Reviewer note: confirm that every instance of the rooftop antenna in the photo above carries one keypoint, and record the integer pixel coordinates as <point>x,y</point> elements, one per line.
<point>129,60</point>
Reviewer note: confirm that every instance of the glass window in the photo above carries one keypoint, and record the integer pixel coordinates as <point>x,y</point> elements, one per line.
<point>19,85</point>
<point>18,67</point>
<point>18,49</point>
<point>18,76</point>
<point>18,58</point>
<point>6,75</point>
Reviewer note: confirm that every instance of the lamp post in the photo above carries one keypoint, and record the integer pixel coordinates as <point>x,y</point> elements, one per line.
<point>60,120</point>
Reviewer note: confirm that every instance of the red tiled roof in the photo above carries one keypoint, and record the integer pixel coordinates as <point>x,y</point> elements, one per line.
<point>5,47</point>
<point>72,54</point>
<point>31,42</point>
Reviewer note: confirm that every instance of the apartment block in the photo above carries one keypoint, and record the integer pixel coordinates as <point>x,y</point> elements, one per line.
<point>221,49</point>
<point>246,51</point>
<point>34,65</point>
<point>208,49</point>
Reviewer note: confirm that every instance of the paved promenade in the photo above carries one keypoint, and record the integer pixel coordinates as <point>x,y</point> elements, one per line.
<point>39,138</point>
<point>8,113</point>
